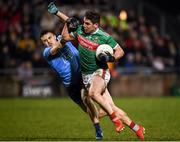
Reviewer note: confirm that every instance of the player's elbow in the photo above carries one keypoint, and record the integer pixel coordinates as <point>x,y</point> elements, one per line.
<point>119,53</point>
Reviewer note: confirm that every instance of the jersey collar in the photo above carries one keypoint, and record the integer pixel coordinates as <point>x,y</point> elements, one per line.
<point>95,31</point>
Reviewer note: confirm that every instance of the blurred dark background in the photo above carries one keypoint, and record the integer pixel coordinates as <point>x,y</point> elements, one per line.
<point>148,31</point>
<point>171,7</point>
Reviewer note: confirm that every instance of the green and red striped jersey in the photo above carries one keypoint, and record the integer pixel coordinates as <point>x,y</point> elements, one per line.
<point>87,46</point>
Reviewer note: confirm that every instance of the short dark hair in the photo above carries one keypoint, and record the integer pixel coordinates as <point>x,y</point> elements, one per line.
<point>43,32</point>
<point>93,16</point>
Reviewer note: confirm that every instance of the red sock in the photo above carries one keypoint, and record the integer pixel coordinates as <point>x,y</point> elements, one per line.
<point>115,119</point>
<point>113,115</point>
<point>134,126</point>
<point>117,122</point>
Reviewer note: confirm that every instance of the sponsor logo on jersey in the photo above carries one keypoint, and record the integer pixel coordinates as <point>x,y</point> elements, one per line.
<point>85,43</point>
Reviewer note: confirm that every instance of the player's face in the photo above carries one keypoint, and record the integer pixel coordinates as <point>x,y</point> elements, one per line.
<point>49,39</point>
<point>89,27</point>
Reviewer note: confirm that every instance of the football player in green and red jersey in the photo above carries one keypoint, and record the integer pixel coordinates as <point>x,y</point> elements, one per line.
<point>95,73</point>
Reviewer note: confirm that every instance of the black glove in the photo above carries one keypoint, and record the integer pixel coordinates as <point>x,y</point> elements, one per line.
<point>106,57</point>
<point>72,24</point>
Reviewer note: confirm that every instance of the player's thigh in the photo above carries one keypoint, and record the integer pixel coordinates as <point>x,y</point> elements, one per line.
<point>74,93</point>
<point>100,79</point>
<point>97,84</point>
<point>107,96</point>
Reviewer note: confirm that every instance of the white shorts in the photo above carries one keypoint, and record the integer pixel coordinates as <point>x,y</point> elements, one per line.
<point>104,73</point>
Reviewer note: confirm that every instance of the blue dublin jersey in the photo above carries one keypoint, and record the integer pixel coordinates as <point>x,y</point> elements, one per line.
<point>66,63</point>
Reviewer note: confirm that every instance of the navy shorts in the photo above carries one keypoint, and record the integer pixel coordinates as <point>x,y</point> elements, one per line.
<point>74,92</point>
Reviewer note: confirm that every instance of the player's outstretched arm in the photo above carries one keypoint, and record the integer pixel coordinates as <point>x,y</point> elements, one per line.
<point>54,10</point>
<point>56,46</point>
<point>65,34</point>
<point>52,50</point>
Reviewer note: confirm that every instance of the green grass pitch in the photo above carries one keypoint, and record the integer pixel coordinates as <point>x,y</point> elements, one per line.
<point>61,119</point>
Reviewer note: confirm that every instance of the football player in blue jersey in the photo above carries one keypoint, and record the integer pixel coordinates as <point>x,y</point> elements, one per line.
<point>64,59</point>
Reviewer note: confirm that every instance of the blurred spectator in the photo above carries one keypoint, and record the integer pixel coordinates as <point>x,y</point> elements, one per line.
<point>129,63</point>
<point>26,45</point>
<point>4,57</point>
<point>22,21</point>
<point>25,71</point>
<point>48,22</point>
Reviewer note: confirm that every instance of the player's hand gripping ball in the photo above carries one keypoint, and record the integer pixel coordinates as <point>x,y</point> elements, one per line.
<point>104,53</point>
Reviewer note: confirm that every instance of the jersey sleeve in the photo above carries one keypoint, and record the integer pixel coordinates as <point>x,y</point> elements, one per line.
<point>68,44</point>
<point>46,52</point>
<point>112,42</point>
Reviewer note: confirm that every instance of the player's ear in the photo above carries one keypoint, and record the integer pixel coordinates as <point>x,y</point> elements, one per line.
<point>96,25</point>
<point>55,37</point>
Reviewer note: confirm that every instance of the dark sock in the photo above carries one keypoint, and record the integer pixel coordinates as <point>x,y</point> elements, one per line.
<point>97,127</point>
